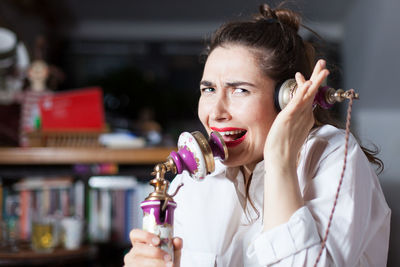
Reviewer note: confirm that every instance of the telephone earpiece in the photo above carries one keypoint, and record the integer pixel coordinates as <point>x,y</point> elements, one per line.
<point>283,93</point>
<point>325,97</point>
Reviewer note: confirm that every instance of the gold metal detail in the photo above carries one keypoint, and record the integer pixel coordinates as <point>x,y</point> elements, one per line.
<point>332,95</point>
<point>170,164</point>
<point>205,150</point>
<point>161,185</point>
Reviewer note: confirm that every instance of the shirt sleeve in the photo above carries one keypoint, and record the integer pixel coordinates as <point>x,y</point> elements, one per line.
<point>298,234</point>
<point>360,213</point>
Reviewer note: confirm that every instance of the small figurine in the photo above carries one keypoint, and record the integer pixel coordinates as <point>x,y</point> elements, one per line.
<point>37,75</point>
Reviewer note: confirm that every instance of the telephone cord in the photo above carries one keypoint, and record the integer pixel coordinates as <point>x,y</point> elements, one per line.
<point>349,109</point>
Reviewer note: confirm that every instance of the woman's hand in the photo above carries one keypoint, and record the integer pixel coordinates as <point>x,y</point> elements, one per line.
<point>293,124</point>
<point>145,251</point>
<point>282,196</point>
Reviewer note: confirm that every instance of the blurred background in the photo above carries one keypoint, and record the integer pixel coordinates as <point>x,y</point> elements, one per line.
<point>146,58</point>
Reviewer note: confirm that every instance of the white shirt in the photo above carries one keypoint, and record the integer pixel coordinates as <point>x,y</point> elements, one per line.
<point>210,215</point>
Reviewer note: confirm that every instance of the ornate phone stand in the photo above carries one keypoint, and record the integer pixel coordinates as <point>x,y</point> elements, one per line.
<point>196,156</point>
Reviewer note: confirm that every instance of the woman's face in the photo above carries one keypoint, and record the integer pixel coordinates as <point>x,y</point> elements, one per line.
<point>237,101</point>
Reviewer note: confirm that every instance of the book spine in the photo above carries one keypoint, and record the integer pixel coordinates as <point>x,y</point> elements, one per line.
<point>1,201</point>
<point>128,214</point>
<point>105,215</point>
<point>120,214</point>
<point>24,223</point>
<point>79,189</point>
<point>93,215</point>
<point>64,197</point>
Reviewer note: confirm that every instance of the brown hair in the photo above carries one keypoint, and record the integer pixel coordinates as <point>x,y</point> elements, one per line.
<point>272,36</point>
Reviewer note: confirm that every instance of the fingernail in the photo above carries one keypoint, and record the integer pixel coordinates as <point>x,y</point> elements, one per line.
<point>322,63</point>
<point>167,258</point>
<point>169,264</point>
<point>155,240</point>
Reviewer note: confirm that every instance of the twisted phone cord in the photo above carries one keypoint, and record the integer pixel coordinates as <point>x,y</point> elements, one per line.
<point>323,243</point>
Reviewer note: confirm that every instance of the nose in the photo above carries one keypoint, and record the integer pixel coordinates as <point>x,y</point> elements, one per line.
<point>220,111</point>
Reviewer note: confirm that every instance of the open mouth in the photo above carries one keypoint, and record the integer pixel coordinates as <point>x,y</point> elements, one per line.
<point>231,136</point>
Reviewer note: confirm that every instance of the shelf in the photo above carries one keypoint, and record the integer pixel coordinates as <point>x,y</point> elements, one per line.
<point>58,257</point>
<point>54,156</point>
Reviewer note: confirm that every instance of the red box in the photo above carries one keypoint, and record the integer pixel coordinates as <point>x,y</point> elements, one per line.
<point>75,110</point>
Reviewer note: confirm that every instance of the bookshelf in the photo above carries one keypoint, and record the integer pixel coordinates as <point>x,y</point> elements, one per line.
<point>53,161</point>
<point>60,257</point>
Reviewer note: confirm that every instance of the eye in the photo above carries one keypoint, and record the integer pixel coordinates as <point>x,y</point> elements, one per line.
<point>207,90</point>
<point>240,91</point>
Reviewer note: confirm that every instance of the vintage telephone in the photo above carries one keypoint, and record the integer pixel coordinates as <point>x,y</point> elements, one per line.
<point>196,155</point>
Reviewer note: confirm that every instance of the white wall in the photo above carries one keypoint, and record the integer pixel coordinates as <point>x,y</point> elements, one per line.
<point>371,64</point>
<point>371,49</point>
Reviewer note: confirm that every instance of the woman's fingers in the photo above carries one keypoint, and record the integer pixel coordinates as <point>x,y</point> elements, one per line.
<point>146,251</point>
<point>319,66</point>
<point>299,94</point>
<point>300,80</point>
<point>136,261</point>
<point>178,244</point>
<point>140,236</point>
<point>307,90</point>
<point>316,84</point>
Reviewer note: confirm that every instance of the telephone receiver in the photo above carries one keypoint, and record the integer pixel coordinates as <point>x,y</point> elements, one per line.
<point>326,96</point>
<point>196,154</point>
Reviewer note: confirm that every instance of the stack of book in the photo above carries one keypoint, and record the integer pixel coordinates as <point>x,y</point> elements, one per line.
<point>54,197</point>
<point>109,205</point>
<point>114,207</point>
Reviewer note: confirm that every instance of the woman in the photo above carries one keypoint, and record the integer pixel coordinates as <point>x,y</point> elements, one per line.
<point>269,203</point>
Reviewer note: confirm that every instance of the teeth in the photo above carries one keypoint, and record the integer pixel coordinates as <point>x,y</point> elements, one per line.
<point>231,132</point>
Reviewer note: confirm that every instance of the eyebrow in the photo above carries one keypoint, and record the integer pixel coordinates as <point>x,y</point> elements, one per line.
<point>228,84</point>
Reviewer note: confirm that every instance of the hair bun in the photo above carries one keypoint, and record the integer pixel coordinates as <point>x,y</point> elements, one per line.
<point>267,12</point>
<point>285,16</point>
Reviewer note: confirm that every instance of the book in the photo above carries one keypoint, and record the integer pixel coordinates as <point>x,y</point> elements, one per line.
<point>112,182</point>
<point>105,216</point>
<point>40,183</point>
<point>79,197</point>
<point>93,215</point>
<point>25,216</point>
<point>129,213</point>
<point>118,215</point>
<point>1,200</point>
<point>74,110</point>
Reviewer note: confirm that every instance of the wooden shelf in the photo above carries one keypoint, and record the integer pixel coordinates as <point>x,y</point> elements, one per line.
<point>27,257</point>
<point>49,155</point>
